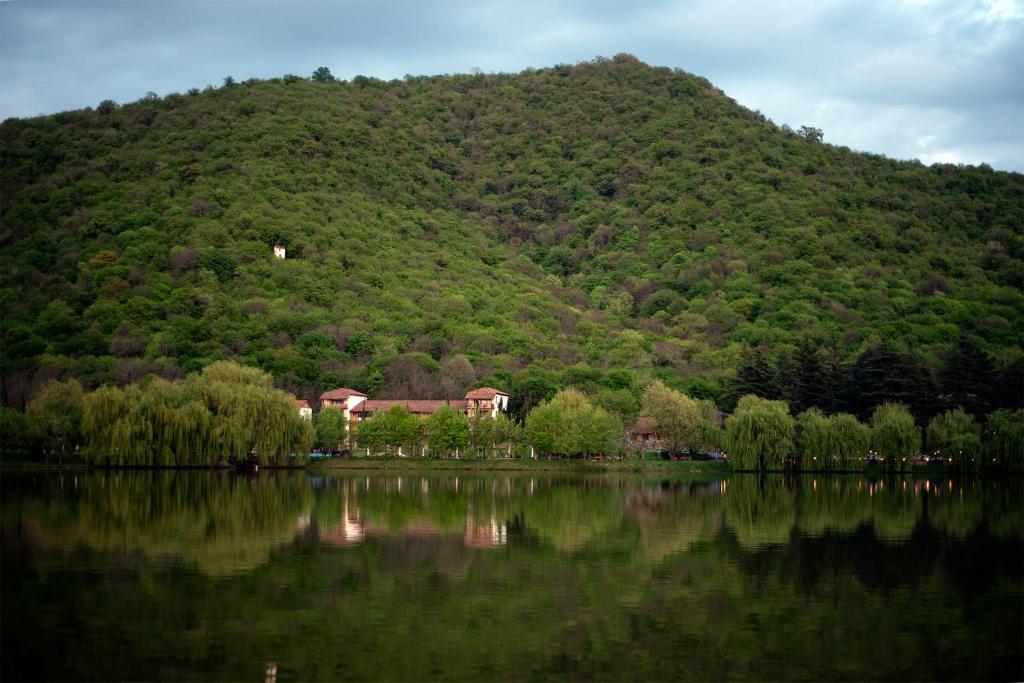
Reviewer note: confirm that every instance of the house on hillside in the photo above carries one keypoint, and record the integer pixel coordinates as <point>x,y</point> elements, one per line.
<point>421,408</point>
<point>486,400</point>
<point>279,251</point>
<point>305,410</point>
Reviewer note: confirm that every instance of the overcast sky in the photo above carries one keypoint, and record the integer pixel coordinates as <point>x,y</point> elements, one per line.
<point>935,80</point>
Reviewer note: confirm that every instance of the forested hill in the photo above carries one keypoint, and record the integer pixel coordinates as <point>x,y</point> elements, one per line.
<point>604,222</point>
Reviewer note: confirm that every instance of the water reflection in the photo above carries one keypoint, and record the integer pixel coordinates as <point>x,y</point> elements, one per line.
<point>227,524</point>
<point>189,575</point>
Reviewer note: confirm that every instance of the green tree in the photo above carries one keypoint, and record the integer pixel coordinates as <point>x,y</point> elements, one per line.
<point>569,425</point>
<point>19,433</point>
<point>850,438</point>
<point>322,75</point>
<point>1004,439</point>
<point>227,413</point>
<point>677,419</point>
<point>57,409</point>
<point>393,428</point>
<point>760,433</point>
<point>814,441</point>
<point>447,431</point>
<point>330,428</point>
<point>894,436</point>
<point>956,435</point>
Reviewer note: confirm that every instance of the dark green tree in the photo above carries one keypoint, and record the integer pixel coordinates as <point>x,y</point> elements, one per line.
<point>968,378</point>
<point>322,75</point>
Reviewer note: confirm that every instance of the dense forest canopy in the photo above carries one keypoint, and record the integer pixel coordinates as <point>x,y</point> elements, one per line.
<point>599,224</point>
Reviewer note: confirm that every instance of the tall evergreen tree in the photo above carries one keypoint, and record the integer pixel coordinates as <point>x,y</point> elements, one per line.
<point>968,377</point>
<point>807,388</point>
<point>756,376</point>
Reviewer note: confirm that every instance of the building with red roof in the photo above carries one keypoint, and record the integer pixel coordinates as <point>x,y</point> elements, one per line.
<point>486,400</point>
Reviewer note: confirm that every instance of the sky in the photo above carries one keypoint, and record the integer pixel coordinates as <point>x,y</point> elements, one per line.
<point>934,80</point>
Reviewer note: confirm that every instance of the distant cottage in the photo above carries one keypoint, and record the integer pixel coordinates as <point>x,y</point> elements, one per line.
<point>279,251</point>
<point>305,410</point>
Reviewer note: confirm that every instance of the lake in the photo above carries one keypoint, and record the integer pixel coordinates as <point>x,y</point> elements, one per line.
<point>178,575</point>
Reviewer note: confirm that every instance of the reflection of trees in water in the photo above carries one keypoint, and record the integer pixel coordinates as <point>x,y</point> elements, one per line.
<point>761,510</point>
<point>648,591</point>
<point>222,522</point>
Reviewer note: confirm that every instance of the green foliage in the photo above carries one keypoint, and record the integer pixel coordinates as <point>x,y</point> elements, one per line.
<point>759,434</point>
<point>57,410</point>
<point>393,428</point>
<point>322,75</point>
<point>835,442</point>
<point>678,422</point>
<point>1004,439</point>
<point>447,431</point>
<point>894,436</point>
<point>330,428</point>
<point>226,413</point>
<point>956,435</point>
<point>20,433</point>
<point>570,425</point>
<point>607,215</point>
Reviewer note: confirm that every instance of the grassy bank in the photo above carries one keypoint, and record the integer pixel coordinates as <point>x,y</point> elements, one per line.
<point>488,464</point>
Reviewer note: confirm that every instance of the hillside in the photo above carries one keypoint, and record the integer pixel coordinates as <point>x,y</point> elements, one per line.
<point>605,222</point>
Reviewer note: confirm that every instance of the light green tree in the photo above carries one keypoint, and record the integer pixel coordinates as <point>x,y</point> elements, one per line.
<point>330,428</point>
<point>569,425</point>
<point>677,419</point>
<point>759,433</point>
<point>894,436</point>
<point>956,435</point>
<point>447,431</point>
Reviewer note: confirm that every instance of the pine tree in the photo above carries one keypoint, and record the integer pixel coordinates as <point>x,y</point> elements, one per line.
<point>968,378</point>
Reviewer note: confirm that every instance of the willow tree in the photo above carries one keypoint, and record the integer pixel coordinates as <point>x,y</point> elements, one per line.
<point>894,436</point>
<point>570,425</point>
<point>57,409</point>
<point>849,438</point>
<point>677,419</point>
<point>814,441</point>
<point>229,412</point>
<point>956,435</point>
<point>759,433</point>
<point>249,417</point>
<point>1004,438</point>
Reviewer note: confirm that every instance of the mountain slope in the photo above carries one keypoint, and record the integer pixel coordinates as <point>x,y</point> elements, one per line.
<point>608,216</point>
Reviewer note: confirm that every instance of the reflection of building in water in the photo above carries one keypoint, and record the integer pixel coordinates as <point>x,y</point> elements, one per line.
<point>349,531</point>
<point>487,534</point>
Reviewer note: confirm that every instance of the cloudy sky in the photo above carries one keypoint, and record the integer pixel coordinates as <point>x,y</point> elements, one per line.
<point>935,80</point>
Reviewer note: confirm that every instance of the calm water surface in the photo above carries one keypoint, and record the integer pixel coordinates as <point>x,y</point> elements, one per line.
<point>194,575</point>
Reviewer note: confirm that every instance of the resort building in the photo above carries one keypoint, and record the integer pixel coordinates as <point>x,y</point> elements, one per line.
<point>368,408</point>
<point>486,400</point>
<point>356,407</point>
<point>343,399</point>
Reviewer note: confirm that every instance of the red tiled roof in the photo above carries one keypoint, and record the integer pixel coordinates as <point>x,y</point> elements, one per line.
<point>484,393</point>
<point>643,425</point>
<point>340,394</point>
<point>301,403</point>
<point>413,406</point>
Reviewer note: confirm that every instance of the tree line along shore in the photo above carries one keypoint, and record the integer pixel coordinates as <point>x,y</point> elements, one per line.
<point>232,414</point>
